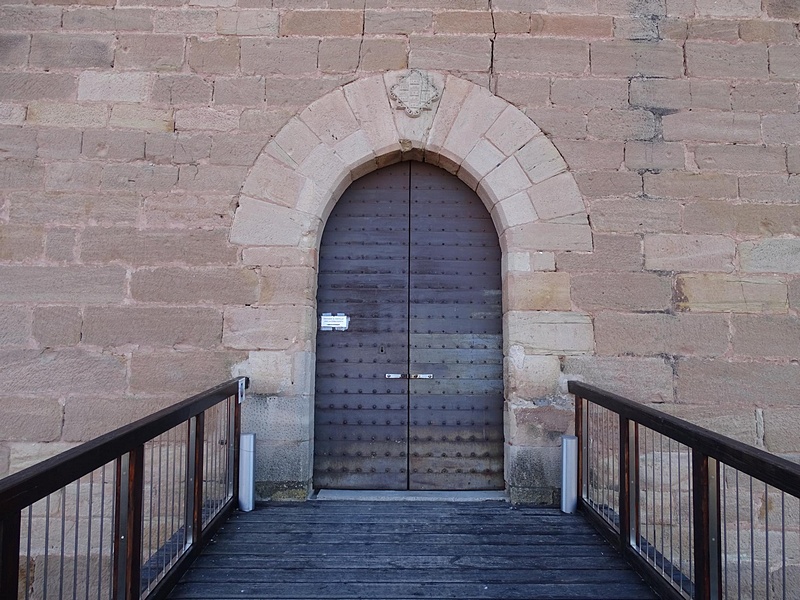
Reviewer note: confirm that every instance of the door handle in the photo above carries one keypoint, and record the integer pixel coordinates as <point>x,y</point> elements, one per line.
<point>407,376</point>
<point>422,376</point>
<point>397,376</point>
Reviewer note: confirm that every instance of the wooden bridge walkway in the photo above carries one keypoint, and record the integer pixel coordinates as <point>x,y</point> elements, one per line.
<point>403,550</point>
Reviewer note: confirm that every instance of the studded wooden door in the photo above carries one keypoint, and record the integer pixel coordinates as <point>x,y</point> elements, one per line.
<point>410,395</point>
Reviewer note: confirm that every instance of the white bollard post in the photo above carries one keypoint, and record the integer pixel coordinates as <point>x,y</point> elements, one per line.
<point>569,473</point>
<point>247,486</point>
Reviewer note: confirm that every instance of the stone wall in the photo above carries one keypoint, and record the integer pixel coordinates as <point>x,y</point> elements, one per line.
<point>130,131</point>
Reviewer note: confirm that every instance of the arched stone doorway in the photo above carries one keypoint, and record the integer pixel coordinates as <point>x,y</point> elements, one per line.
<point>486,142</point>
<point>409,373</point>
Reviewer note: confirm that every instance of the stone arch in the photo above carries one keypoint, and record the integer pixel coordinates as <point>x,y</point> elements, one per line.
<point>285,201</point>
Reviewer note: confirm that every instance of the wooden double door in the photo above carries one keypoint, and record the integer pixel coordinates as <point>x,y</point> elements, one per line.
<point>410,394</point>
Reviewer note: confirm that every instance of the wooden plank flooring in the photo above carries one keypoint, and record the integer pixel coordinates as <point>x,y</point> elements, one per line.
<point>402,550</point>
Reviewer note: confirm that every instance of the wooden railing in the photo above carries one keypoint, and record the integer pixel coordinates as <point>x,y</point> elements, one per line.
<point>121,517</point>
<point>700,515</point>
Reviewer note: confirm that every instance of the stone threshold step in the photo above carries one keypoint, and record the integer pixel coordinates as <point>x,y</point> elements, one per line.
<point>409,496</point>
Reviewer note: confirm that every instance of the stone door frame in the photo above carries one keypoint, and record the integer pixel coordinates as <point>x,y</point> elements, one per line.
<point>285,201</point>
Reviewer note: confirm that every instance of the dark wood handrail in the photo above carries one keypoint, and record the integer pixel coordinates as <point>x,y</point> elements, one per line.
<point>29,485</point>
<point>773,470</point>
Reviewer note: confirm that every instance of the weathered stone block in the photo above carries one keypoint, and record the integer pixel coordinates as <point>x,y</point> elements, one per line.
<point>288,463</point>
<point>279,418</point>
<point>650,156</point>
<point>185,21</point>
<point>141,177</point>
<point>152,326</point>
<point>20,243</point>
<point>14,48</point>
<point>189,211</point>
<point>532,55</point>
<point>12,114</point>
<point>270,328</point>
<point>764,97</point>
<point>397,21</point>
<point>383,54</point>
<point>55,326</point>
<point>216,55</point>
<point>740,157</point>
<point>599,184</point>
<point>149,52</point>
<point>60,245</point>
<point>248,22</point>
<point>676,184</point>
<point>575,26</point>
<point>782,9</point>
<point>548,332</point>
<point>207,118</point>
<point>280,56</point>
<point>523,91</point>
<point>530,376</point>
<point>669,252</point>
<point>654,334</point>
<point>30,419</point>
<point>590,93</point>
<point>113,145</point>
<point>743,383</point>
<point>621,291</point>
<point>770,188</point>
<point>539,426</point>
<point>78,285</point>
<point>766,335</point>
<point>538,291</point>
<point>771,255</point>
<point>288,285</point>
<point>584,155</point>
<point>735,293</point>
<point>154,247</point>
<point>640,379</point>
<point>183,373</point>
<point>66,176</point>
<point>177,148</point>
<point>541,161</point>
<point>133,116</point>
<point>62,51</point>
<point>258,223</point>
<point>636,124</point>
<point>780,430</point>
<point>15,326</point>
<point>793,158</point>
<point>713,126</point>
<point>548,236</point>
<point>73,209</point>
<point>781,129</point>
<point>189,286</point>
<point>450,52</point>
<point>727,60</point>
<point>783,61</point>
<point>108,19</point>
<point>321,23</point>
<point>67,115</point>
<point>242,91</point>
<point>534,474</point>
<point>611,253</point>
<point>773,32</point>
<point>660,93</point>
<point>30,18</point>
<point>271,372</point>
<point>741,219</point>
<point>212,178</point>
<point>636,59</point>
<point>54,373</point>
<point>94,86</point>
<point>181,89</point>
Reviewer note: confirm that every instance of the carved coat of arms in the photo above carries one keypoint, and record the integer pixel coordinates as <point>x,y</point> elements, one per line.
<point>415,92</point>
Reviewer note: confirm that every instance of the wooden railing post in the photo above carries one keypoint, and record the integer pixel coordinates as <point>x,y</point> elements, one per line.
<point>707,548</point>
<point>579,433</point>
<point>194,481</point>
<point>9,555</point>
<point>628,483</point>
<point>128,525</point>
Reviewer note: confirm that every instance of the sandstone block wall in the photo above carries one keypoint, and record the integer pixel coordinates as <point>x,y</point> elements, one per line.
<point>130,135</point>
